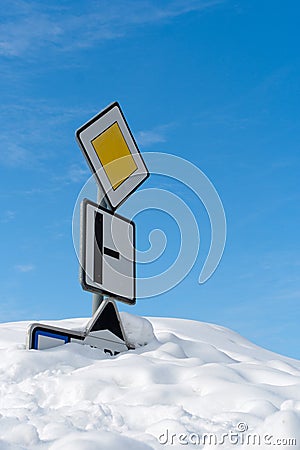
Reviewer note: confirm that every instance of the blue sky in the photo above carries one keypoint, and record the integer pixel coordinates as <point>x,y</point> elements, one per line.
<point>214,82</point>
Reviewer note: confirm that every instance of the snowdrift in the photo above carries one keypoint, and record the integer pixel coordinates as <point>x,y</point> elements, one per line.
<point>186,385</point>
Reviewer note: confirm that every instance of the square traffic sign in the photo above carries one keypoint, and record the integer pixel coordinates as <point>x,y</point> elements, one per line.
<point>107,253</point>
<point>112,154</point>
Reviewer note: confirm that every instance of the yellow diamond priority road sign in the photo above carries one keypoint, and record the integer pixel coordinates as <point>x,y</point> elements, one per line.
<point>112,154</point>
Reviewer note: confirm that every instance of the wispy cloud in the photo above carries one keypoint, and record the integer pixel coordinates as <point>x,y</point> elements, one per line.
<point>147,138</point>
<point>15,155</point>
<point>156,135</point>
<point>24,127</point>
<point>74,174</point>
<point>24,268</point>
<point>30,25</point>
<point>7,216</point>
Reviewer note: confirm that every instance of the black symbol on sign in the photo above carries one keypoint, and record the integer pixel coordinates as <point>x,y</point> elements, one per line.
<point>99,249</point>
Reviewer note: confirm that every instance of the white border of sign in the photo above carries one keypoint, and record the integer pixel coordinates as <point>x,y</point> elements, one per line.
<point>93,128</point>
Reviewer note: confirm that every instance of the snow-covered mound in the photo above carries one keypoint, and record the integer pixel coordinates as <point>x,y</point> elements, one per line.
<point>186,385</point>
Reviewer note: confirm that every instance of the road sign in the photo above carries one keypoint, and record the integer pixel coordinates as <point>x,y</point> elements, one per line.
<point>107,253</point>
<point>112,154</point>
<point>104,331</point>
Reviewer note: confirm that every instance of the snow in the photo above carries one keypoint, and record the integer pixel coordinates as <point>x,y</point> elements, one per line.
<point>187,384</point>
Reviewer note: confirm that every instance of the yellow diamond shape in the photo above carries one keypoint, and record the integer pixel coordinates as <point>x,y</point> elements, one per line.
<point>114,155</point>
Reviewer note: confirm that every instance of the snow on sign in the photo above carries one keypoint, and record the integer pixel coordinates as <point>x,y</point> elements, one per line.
<point>103,331</point>
<point>112,154</point>
<point>107,253</point>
